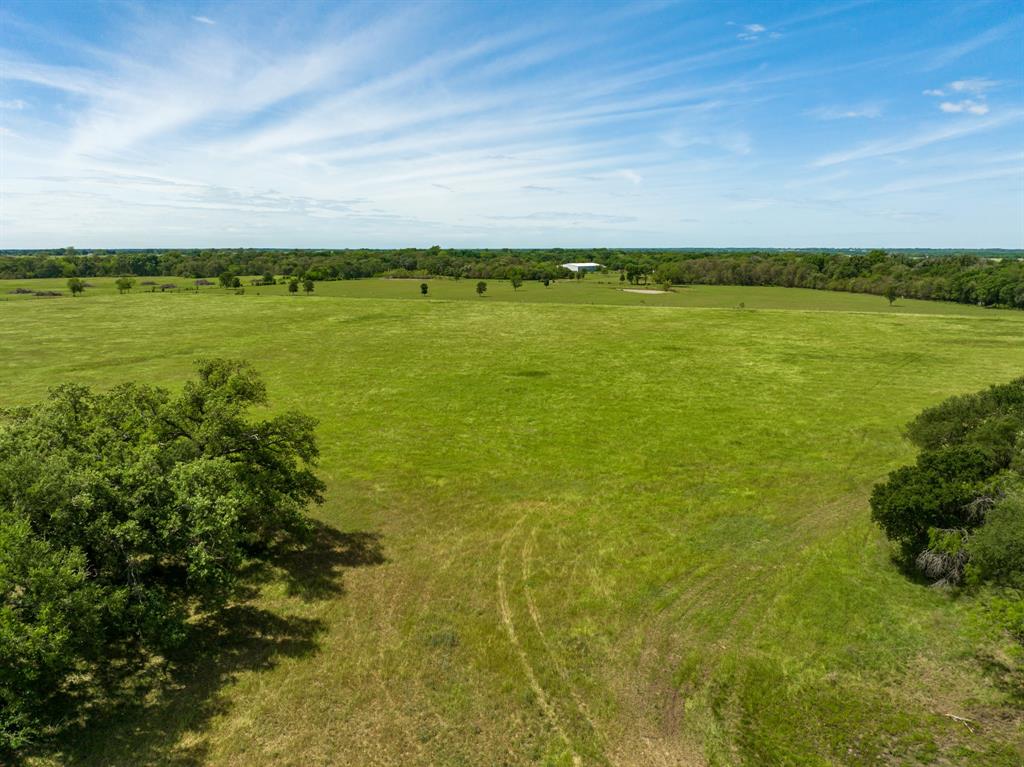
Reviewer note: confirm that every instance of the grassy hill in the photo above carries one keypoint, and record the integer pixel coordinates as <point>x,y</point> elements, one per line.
<point>565,526</point>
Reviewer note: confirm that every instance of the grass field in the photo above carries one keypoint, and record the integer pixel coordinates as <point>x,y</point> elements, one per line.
<point>595,289</point>
<point>566,526</point>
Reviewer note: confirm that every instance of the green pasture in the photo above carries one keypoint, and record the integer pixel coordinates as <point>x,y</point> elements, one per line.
<point>564,525</point>
<point>594,289</point>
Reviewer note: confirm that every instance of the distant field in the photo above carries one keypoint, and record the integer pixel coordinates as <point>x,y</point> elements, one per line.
<point>595,289</point>
<point>618,529</point>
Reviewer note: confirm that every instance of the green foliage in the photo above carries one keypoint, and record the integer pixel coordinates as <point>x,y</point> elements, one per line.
<point>124,284</point>
<point>971,448</point>
<point>307,285</point>
<point>227,279</point>
<point>76,285</point>
<point>125,512</point>
<point>935,493</point>
<point>481,288</point>
<point>293,285</point>
<point>997,548</point>
<point>423,288</point>
<point>992,419</point>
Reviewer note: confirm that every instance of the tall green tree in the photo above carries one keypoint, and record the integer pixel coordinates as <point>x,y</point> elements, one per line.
<point>123,513</point>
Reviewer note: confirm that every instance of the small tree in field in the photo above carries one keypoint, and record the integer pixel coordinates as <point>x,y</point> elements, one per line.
<point>546,282</point>
<point>76,285</point>
<point>517,280</point>
<point>891,294</point>
<point>293,286</point>
<point>227,279</point>
<point>124,284</point>
<point>423,288</point>
<point>307,285</point>
<point>481,288</point>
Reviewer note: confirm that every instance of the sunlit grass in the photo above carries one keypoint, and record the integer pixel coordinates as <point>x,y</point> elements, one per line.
<point>631,534</point>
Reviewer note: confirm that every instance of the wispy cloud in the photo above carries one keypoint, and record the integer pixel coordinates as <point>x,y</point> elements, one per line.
<point>868,111</point>
<point>923,138</point>
<point>952,53</point>
<point>973,85</point>
<point>752,31</point>
<point>967,105</point>
<point>377,123</point>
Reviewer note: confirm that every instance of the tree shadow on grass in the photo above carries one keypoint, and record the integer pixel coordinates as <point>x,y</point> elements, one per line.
<point>314,571</point>
<point>146,711</point>
<point>1007,675</point>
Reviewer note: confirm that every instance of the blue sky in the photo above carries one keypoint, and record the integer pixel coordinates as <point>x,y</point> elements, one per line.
<point>846,124</point>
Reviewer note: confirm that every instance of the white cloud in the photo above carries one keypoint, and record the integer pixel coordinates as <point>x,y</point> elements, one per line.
<point>973,85</point>
<point>630,175</point>
<point>204,20</point>
<point>753,31</point>
<point>967,105</point>
<point>13,104</point>
<point>868,111</point>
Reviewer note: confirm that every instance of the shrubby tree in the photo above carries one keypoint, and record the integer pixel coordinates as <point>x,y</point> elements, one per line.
<point>972,455</point>
<point>891,294</point>
<point>124,513</point>
<point>124,284</point>
<point>516,278</point>
<point>996,550</point>
<point>293,285</point>
<point>481,288</point>
<point>76,285</point>
<point>227,280</point>
<point>307,285</point>
<point>423,288</point>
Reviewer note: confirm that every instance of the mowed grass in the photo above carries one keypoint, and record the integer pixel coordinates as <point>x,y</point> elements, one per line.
<point>611,535</point>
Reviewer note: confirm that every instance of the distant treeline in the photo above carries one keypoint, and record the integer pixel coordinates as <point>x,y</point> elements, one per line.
<point>963,277</point>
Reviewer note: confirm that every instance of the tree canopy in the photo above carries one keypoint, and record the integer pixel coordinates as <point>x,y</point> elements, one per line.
<point>123,513</point>
<point>966,484</point>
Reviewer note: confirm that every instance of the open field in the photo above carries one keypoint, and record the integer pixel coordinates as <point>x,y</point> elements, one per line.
<point>595,289</point>
<point>615,529</point>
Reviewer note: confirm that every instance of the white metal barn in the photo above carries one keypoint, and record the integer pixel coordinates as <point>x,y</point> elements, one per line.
<point>588,266</point>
